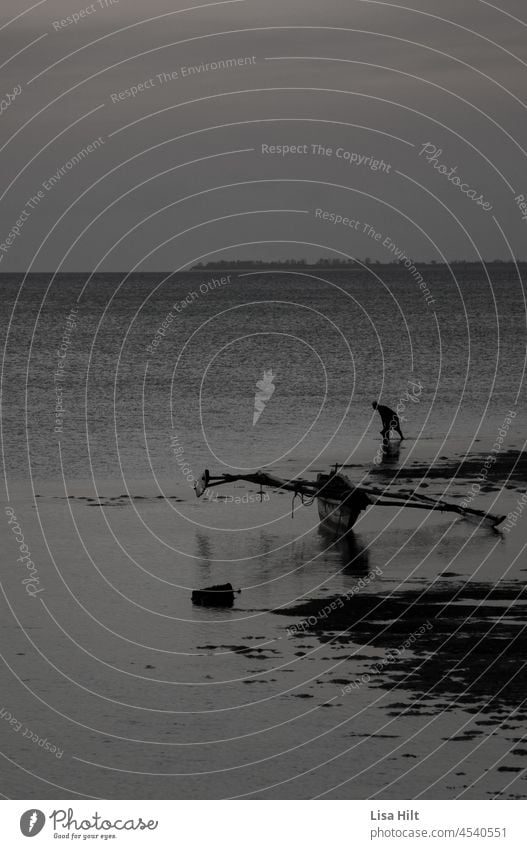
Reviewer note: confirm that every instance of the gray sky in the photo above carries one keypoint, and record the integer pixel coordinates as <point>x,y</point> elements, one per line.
<point>372,82</point>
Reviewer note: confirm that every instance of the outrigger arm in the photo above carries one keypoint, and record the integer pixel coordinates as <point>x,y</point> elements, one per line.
<point>261,478</point>
<point>377,497</point>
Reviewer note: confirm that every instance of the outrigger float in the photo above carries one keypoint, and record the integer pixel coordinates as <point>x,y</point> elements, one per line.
<point>340,502</point>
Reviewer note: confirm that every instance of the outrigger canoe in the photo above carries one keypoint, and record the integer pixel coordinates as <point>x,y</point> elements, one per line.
<point>340,502</point>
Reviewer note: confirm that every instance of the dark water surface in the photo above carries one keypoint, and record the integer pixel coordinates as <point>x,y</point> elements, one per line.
<point>413,685</point>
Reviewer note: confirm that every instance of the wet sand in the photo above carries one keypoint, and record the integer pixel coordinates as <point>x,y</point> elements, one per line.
<point>411,686</point>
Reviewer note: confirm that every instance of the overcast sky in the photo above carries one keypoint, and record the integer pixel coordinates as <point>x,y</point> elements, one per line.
<point>178,173</point>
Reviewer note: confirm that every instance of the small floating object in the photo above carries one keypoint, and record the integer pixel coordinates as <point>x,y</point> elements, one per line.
<point>221,595</point>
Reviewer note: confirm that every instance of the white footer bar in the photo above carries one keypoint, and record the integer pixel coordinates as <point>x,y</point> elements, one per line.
<point>264,824</point>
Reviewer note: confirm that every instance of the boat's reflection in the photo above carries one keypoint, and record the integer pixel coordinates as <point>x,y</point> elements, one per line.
<point>354,556</point>
<point>204,550</point>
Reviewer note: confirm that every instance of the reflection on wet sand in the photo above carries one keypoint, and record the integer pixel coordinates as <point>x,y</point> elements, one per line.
<point>353,553</point>
<point>509,466</point>
<point>474,653</point>
<point>390,453</point>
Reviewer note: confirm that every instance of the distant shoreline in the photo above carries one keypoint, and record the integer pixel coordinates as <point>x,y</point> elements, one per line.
<point>282,266</point>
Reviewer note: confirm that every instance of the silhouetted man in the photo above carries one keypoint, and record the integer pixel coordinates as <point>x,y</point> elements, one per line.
<point>390,421</point>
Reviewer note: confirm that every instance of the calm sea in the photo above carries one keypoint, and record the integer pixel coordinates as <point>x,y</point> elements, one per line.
<point>149,696</point>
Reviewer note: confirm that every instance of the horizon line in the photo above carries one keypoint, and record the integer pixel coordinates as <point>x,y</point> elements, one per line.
<point>242,265</point>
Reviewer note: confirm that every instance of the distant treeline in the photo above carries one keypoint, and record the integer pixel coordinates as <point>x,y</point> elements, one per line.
<point>334,264</point>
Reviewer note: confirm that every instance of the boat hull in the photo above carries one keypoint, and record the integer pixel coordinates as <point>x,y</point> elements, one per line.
<point>341,504</point>
<point>334,514</point>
